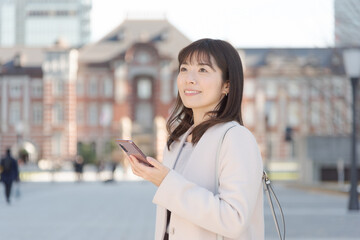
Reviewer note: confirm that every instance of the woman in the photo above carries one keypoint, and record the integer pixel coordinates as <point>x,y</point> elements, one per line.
<point>207,117</point>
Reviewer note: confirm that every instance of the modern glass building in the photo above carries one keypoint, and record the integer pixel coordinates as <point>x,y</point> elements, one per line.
<point>347,23</point>
<point>42,22</point>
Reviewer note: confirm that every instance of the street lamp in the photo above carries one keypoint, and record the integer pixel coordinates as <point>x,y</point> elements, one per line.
<point>352,68</point>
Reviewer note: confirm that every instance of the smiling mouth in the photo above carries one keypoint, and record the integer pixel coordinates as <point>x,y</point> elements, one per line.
<point>191,92</point>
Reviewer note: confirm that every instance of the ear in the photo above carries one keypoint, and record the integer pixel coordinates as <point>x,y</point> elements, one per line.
<point>226,87</point>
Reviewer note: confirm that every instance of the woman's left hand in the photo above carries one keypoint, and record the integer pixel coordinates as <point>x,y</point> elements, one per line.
<point>155,174</point>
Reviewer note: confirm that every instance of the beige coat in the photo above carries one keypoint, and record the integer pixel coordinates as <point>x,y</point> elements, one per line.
<point>236,212</point>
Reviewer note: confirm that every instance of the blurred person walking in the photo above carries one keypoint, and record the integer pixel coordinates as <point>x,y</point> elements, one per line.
<point>78,167</point>
<point>9,173</point>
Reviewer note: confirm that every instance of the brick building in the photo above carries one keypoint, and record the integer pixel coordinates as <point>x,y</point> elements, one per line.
<point>38,101</point>
<point>54,99</point>
<point>298,104</point>
<point>302,90</point>
<point>128,79</point>
<point>123,86</point>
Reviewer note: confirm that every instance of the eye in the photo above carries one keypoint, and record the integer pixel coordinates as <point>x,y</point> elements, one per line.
<point>202,70</point>
<point>183,69</point>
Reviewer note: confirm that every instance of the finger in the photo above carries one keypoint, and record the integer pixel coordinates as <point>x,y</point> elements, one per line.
<point>132,157</point>
<point>154,162</point>
<point>133,163</point>
<point>140,168</point>
<point>134,168</point>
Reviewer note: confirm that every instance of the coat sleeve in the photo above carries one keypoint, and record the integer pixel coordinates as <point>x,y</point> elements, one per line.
<point>228,212</point>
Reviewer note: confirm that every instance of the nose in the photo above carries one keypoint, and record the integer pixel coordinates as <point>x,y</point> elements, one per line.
<point>191,78</point>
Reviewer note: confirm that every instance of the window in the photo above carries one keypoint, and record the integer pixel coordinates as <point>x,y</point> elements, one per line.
<point>80,113</point>
<point>108,87</point>
<point>271,89</point>
<point>92,115</point>
<point>121,83</point>
<point>315,113</point>
<point>37,89</point>
<point>293,89</point>
<point>249,88</point>
<point>314,88</point>
<point>271,113</point>
<point>293,114</point>
<point>338,86</point>
<point>143,57</point>
<point>106,114</point>
<point>249,114</point>
<point>63,62</point>
<point>80,87</point>
<point>15,89</point>
<point>144,89</point>
<point>58,87</point>
<point>166,93</point>
<point>55,66</point>
<point>58,113</point>
<point>337,114</point>
<point>92,87</point>
<point>56,144</point>
<point>144,115</point>
<point>15,112</point>
<point>37,114</point>
<point>8,30</point>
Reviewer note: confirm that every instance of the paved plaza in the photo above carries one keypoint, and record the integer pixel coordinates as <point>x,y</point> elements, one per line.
<point>123,210</point>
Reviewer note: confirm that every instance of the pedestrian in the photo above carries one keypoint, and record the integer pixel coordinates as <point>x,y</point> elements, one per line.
<point>209,184</point>
<point>9,173</point>
<point>99,168</point>
<point>78,167</point>
<point>113,169</point>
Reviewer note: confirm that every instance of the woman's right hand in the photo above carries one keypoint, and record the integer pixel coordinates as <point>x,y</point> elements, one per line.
<point>155,174</point>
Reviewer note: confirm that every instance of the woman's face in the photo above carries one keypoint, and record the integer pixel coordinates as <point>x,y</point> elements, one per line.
<point>200,85</point>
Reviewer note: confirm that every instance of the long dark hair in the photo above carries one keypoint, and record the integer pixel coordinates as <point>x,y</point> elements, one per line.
<point>229,107</point>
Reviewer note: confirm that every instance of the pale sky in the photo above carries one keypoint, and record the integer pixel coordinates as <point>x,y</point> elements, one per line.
<point>244,23</point>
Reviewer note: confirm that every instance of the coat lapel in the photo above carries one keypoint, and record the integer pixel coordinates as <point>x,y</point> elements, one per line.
<point>175,153</point>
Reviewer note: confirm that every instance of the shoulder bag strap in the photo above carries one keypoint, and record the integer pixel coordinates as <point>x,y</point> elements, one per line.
<point>217,160</point>
<point>217,163</point>
<point>269,191</point>
<point>267,186</point>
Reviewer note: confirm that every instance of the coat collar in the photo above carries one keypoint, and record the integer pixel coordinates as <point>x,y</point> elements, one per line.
<point>178,148</point>
<point>173,155</point>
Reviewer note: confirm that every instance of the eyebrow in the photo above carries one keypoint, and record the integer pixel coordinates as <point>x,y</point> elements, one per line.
<point>201,64</point>
<point>206,64</point>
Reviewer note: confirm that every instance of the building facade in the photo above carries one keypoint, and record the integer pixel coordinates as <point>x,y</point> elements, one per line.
<point>38,102</point>
<point>295,91</point>
<point>116,88</point>
<point>347,23</point>
<point>128,79</point>
<point>53,100</point>
<point>39,23</point>
<point>298,104</point>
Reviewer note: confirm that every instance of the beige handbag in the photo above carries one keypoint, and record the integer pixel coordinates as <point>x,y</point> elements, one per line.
<point>267,188</point>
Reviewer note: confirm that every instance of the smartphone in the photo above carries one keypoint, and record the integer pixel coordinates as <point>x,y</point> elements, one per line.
<point>130,148</point>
